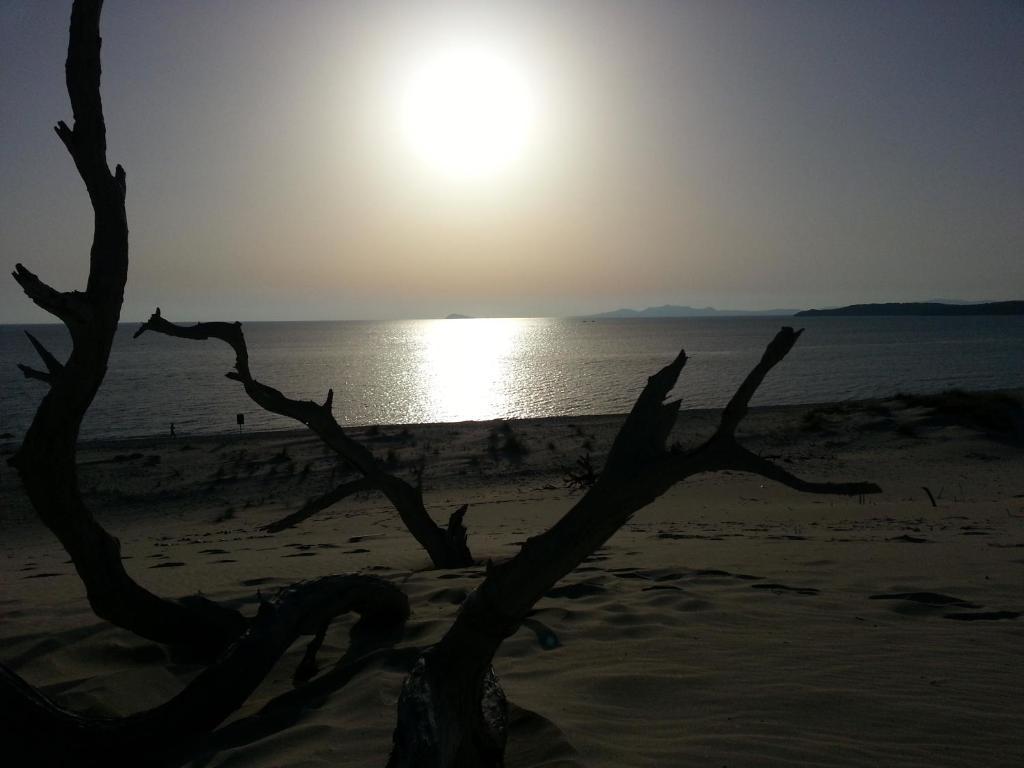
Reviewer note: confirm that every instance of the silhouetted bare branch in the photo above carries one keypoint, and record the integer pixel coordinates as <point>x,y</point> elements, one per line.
<point>45,460</point>
<point>450,713</point>
<point>445,550</point>
<point>35,725</point>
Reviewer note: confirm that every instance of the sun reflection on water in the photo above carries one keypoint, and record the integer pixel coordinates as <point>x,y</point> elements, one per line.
<point>464,367</point>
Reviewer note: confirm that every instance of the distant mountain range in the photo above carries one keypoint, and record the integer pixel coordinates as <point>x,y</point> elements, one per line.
<point>943,307</point>
<point>676,310</point>
<point>919,308</point>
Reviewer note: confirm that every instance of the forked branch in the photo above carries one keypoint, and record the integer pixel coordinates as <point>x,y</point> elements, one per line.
<point>45,460</point>
<point>450,710</point>
<point>773,355</point>
<point>739,459</point>
<point>445,549</point>
<point>71,307</point>
<point>54,736</point>
<point>31,724</point>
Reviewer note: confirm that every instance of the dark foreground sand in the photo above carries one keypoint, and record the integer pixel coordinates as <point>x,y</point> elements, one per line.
<point>732,623</point>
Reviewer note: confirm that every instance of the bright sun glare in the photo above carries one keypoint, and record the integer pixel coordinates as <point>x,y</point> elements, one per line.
<point>468,111</point>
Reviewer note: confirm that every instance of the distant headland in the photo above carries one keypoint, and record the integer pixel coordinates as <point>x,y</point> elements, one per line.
<point>922,308</point>
<point>675,310</point>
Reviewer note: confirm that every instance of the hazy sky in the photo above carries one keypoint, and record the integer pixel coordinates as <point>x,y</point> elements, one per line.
<point>741,154</point>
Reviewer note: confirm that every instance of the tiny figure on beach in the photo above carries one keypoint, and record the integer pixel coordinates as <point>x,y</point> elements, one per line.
<point>173,433</point>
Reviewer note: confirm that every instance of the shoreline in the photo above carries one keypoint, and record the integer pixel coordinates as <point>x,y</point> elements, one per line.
<point>297,431</point>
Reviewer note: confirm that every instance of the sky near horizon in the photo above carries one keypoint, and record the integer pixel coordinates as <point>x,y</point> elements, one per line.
<point>383,159</point>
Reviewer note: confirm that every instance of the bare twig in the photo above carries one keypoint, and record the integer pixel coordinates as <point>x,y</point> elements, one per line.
<point>444,550</point>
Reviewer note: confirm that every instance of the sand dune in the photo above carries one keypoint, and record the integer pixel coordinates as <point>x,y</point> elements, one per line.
<point>732,623</point>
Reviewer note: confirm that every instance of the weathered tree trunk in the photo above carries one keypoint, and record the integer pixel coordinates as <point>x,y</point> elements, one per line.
<point>46,459</point>
<point>446,710</point>
<point>446,548</point>
<point>32,726</point>
<point>49,735</point>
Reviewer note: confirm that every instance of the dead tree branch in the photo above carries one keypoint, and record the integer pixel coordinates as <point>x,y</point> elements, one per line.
<point>32,724</point>
<point>46,459</point>
<point>451,711</point>
<point>446,549</point>
<point>55,736</point>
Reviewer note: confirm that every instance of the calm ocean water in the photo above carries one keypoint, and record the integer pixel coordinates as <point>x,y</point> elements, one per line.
<point>453,370</point>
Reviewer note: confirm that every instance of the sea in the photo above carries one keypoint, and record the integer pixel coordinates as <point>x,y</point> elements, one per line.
<point>415,371</point>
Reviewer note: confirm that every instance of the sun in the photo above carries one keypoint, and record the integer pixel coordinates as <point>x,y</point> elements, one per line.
<point>469,111</point>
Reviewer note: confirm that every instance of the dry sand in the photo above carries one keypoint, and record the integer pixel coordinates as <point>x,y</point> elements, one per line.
<point>732,623</point>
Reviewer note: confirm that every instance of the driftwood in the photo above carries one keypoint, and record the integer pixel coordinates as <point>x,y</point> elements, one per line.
<point>447,548</point>
<point>452,713</point>
<point>49,735</point>
<point>46,459</point>
<point>32,726</point>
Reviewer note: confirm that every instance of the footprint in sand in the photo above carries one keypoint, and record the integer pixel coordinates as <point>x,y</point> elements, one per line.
<point>936,600</point>
<point>461,575</point>
<point>713,572</point>
<point>256,582</point>
<point>780,588</point>
<point>452,596</point>
<point>983,616</point>
<point>926,598</point>
<point>633,573</point>
<point>576,591</point>
<point>357,539</point>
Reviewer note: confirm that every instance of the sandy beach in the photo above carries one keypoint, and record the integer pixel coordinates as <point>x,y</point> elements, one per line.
<point>732,623</point>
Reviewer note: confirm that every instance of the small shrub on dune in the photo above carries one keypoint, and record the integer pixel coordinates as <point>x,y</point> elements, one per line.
<point>227,514</point>
<point>997,413</point>
<point>280,457</point>
<point>815,421</point>
<point>503,440</point>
